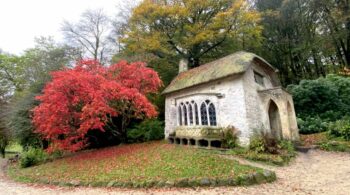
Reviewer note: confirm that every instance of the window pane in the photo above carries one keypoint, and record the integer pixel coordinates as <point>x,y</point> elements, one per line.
<point>196,113</point>
<point>185,115</point>
<point>259,78</point>
<point>212,115</point>
<point>191,114</point>
<point>204,114</point>
<point>180,115</point>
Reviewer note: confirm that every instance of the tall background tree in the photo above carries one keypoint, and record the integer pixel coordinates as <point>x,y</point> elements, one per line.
<point>4,132</point>
<point>90,34</point>
<point>120,22</point>
<point>192,29</point>
<point>25,77</point>
<point>9,83</point>
<point>305,39</point>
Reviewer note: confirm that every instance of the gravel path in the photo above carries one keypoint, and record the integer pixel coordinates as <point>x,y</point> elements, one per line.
<point>315,172</point>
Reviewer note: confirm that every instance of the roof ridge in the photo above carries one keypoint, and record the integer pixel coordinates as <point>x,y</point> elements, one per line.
<point>209,63</point>
<point>234,63</point>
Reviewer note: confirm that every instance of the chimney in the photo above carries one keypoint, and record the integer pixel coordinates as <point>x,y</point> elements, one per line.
<point>183,65</point>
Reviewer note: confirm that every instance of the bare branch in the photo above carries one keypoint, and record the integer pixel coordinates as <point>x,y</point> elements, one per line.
<point>90,33</point>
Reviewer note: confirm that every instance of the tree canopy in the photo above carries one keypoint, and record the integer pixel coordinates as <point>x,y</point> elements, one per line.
<point>93,97</point>
<point>90,34</point>
<point>192,29</point>
<point>23,78</point>
<point>305,39</point>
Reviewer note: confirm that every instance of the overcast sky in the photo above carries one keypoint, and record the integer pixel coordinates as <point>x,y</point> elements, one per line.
<point>22,20</point>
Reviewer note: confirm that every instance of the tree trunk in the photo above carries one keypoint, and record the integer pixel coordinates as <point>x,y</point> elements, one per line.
<point>2,152</point>
<point>334,65</point>
<point>317,65</point>
<point>123,134</point>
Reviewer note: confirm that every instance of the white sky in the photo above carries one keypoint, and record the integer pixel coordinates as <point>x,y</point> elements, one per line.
<point>22,20</point>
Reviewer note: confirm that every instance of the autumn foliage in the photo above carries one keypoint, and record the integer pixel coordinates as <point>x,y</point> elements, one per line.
<point>88,97</point>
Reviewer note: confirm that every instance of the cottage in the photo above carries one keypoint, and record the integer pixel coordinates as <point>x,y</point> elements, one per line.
<point>240,90</point>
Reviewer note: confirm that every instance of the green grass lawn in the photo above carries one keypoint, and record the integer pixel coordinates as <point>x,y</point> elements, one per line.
<point>155,161</point>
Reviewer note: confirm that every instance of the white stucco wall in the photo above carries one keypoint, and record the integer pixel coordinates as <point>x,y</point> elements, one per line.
<point>230,105</point>
<point>257,103</point>
<point>239,102</point>
<point>256,115</point>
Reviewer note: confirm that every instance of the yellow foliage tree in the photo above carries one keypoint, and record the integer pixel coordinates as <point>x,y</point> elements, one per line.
<point>192,29</point>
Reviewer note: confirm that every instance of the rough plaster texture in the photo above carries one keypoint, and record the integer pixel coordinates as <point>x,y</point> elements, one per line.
<point>258,100</point>
<point>226,94</point>
<point>239,102</point>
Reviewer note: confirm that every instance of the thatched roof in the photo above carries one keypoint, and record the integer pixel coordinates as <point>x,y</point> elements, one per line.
<point>233,64</point>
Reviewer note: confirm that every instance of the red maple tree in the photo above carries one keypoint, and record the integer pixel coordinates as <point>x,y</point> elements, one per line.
<point>89,97</point>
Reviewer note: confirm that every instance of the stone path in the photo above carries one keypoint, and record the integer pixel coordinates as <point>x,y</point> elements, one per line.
<point>315,172</point>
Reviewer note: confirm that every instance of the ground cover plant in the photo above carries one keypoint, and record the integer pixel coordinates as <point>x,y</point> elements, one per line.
<point>325,141</point>
<point>138,165</point>
<point>280,159</point>
<point>336,138</point>
<point>264,148</point>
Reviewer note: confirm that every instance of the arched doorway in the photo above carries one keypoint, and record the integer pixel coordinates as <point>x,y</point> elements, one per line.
<point>275,120</point>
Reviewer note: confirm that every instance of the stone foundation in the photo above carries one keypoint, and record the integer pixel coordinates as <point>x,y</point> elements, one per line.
<point>196,142</point>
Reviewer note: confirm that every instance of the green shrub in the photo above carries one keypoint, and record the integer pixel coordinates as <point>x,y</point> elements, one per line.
<point>335,146</point>
<point>264,142</point>
<point>56,154</point>
<point>286,153</point>
<point>343,85</point>
<point>311,125</point>
<point>230,137</point>
<point>257,144</point>
<point>312,97</point>
<point>340,128</point>
<point>286,150</point>
<point>286,145</point>
<point>32,156</point>
<point>330,115</point>
<point>321,101</point>
<point>148,130</point>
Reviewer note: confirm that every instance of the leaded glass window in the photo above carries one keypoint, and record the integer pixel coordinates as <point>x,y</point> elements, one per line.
<point>212,115</point>
<point>185,114</point>
<point>180,115</point>
<point>259,78</point>
<point>196,114</point>
<point>190,114</point>
<point>204,114</point>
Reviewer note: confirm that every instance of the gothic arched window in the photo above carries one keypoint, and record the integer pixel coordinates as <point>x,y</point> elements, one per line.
<point>185,114</point>
<point>212,114</point>
<point>204,114</point>
<point>196,114</point>
<point>190,113</point>
<point>180,115</point>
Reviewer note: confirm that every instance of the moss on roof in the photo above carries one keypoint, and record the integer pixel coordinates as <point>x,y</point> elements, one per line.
<point>230,65</point>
